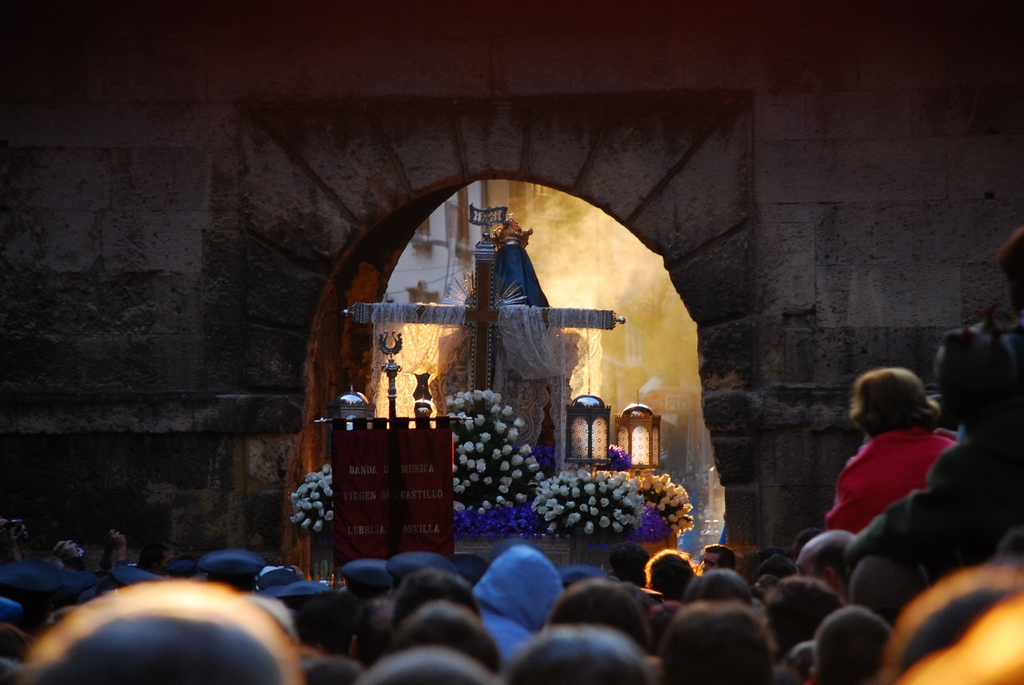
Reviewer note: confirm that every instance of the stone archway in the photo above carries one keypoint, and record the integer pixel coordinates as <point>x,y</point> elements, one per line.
<point>332,193</point>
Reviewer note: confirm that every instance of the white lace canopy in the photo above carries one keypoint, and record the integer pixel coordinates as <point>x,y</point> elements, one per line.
<point>537,364</point>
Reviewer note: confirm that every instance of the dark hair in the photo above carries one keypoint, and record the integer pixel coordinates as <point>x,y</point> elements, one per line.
<point>796,608</point>
<point>716,643</point>
<point>373,628</point>
<point>726,557</point>
<point>848,646</point>
<point>668,572</point>
<point>778,565</point>
<point>1011,262</point>
<point>428,666</point>
<point>890,399</point>
<point>580,655</point>
<point>164,651</point>
<point>628,560</point>
<point>14,642</point>
<point>598,601</point>
<point>444,623</point>
<point>330,670</point>
<point>802,538</point>
<point>151,555</point>
<point>429,584</point>
<point>328,621</point>
<point>718,584</point>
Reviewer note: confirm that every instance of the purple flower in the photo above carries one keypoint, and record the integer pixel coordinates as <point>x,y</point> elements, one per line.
<point>652,527</point>
<point>545,457</point>
<point>519,520</point>
<point>620,459</point>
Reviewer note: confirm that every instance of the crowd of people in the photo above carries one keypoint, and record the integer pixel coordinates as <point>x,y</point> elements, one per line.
<point>917,576</point>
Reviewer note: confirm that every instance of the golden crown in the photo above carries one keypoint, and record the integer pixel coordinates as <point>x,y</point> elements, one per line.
<point>510,232</point>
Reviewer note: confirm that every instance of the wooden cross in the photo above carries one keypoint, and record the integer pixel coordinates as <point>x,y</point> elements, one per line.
<point>482,312</point>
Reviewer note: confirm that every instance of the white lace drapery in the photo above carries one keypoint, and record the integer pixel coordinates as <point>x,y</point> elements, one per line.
<point>430,334</point>
<point>538,364</point>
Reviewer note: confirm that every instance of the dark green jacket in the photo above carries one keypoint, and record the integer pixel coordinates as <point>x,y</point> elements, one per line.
<point>975,492</point>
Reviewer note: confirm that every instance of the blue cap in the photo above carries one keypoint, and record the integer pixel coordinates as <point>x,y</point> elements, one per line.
<point>371,574</point>
<point>297,594</point>
<point>273,591</point>
<point>273,576</point>
<point>304,588</point>
<point>72,585</point>
<point>132,575</point>
<point>31,575</point>
<point>231,562</point>
<point>10,611</point>
<point>472,567</point>
<point>401,565</point>
<point>182,568</point>
<point>571,573</point>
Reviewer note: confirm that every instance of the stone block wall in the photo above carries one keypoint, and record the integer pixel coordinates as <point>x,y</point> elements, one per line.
<point>192,192</point>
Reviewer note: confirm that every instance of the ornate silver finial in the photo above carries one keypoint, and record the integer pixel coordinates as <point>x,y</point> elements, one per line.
<point>391,368</point>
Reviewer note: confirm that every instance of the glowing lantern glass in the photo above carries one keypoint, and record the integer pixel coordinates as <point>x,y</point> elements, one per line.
<point>638,431</point>
<point>587,421</point>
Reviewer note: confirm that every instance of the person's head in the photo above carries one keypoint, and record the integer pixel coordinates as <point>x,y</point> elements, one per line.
<point>373,628</point>
<point>669,572</point>
<point>891,399</point>
<point>580,655</point>
<point>628,560</point>
<point>432,665</point>
<point>1011,545</point>
<point>799,661</point>
<point>717,556</point>
<point>778,565</point>
<point>822,558</point>
<point>989,651</point>
<point>427,585</point>
<point>975,368</point>
<point>796,608</point>
<point>327,621</point>
<point>848,646</point>
<point>938,617</point>
<point>802,538</point>
<point>718,585</point>
<point>721,643</point>
<point>885,585</point>
<point>14,642</point>
<point>177,633</point>
<point>330,670</point>
<point>600,601</point>
<point>155,559</point>
<point>1011,263</point>
<point>441,622</point>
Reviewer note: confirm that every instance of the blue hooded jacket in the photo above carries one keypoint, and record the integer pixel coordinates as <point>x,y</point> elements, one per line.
<point>515,596</point>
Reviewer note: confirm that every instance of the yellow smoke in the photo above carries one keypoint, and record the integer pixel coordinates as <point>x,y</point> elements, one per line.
<point>586,259</point>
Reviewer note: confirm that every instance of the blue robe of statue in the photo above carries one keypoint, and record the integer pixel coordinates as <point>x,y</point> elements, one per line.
<point>513,267</point>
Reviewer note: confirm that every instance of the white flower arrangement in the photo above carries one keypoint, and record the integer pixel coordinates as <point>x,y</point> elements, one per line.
<point>575,500</point>
<point>491,469</point>
<point>671,500</point>
<point>313,502</point>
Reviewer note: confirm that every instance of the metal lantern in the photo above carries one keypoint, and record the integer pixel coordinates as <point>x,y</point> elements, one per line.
<point>638,431</point>
<point>350,405</point>
<point>587,420</point>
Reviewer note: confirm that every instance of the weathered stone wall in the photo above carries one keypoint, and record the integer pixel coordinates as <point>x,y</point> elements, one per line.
<point>192,192</point>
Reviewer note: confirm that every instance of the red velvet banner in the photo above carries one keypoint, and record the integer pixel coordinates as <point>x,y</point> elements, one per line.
<point>425,499</point>
<point>392,492</point>
<point>359,462</point>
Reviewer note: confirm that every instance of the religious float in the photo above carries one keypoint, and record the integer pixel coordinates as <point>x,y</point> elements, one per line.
<point>502,452</point>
